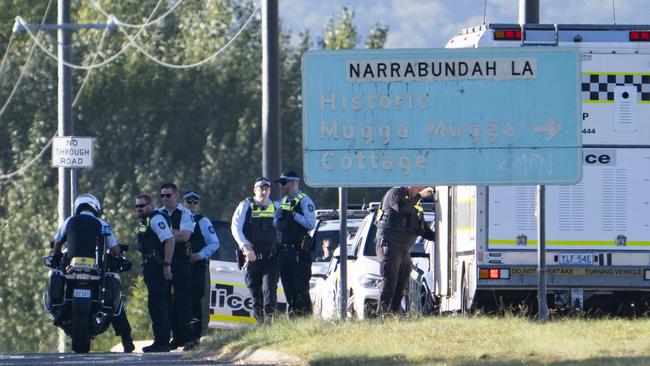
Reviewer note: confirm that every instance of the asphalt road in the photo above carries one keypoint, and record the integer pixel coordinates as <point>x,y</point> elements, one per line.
<point>98,359</point>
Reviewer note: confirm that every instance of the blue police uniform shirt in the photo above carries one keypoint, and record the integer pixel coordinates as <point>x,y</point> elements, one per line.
<point>210,237</point>
<point>159,226</point>
<point>187,221</point>
<point>307,219</point>
<point>239,219</point>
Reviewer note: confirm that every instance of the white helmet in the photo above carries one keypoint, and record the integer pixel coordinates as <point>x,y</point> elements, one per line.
<point>89,200</point>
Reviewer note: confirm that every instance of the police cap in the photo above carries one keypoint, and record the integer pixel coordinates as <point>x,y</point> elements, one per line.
<point>261,181</point>
<point>288,176</point>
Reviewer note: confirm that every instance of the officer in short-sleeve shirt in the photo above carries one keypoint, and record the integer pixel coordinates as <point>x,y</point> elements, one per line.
<point>182,227</point>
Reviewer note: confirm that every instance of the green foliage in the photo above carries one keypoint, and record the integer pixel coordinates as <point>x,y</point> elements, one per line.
<point>200,128</point>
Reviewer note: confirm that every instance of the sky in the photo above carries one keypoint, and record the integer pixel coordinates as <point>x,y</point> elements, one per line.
<point>431,23</point>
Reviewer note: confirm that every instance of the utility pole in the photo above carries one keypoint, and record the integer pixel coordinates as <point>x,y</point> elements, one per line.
<point>67,177</point>
<point>270,95</point>
<point>529,14</point>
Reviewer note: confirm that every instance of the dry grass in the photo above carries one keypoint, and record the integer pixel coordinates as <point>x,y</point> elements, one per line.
<point>448,341</point>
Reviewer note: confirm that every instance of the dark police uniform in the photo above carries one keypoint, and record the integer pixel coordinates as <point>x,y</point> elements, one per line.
<point>153,231</point>
<point>180,312</point>
<point>252,224</point>
<point>295,250</point>
<point>203,241</point>
<point>82,234</point>
<point>400,221</point>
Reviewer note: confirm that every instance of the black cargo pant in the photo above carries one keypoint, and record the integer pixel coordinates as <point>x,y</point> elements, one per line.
<point>121,325</point>
<point>295,272</point>
<point>197,291</point>
<point>157,301</point>
<point>395,267</point>
<point>180,312</point>
<point>262,282</point>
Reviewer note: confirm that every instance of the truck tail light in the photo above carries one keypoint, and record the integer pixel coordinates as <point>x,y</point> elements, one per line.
<point>494,273</point>
<point>508,35</point>
<point>640,36</point>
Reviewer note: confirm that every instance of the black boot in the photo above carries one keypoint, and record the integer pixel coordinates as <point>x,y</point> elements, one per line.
<point>127,344</point>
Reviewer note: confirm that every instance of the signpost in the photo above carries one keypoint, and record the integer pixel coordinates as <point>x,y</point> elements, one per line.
<point>72,152</point>
<point>380,118</point>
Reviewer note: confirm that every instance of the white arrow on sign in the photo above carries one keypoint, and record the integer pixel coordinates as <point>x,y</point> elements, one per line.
<point>552,128</point>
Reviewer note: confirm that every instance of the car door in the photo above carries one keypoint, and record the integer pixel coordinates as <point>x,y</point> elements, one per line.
<point>230,302</point>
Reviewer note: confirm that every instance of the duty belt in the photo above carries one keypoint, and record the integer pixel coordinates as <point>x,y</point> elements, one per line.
<point>266,255</point>
<point>290,246</point>
<point>151,258</point>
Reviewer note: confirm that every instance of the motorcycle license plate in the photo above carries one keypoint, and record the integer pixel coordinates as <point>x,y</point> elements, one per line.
<point>79,292</point>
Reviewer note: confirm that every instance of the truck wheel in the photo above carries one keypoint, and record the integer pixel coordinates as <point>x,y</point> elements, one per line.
<point>80,332</point>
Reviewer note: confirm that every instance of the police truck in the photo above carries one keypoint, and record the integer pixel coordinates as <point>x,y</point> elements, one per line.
<point>598,230</point>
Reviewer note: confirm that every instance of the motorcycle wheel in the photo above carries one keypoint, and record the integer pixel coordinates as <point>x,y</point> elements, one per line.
<point>80,332</point>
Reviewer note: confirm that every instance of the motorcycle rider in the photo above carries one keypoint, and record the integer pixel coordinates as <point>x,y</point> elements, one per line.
<point>81,234</point>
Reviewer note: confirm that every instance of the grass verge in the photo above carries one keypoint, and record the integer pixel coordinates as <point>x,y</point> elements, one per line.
<point>445,341</point>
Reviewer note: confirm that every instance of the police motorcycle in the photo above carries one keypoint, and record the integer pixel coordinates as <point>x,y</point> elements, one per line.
<point>82,294</point>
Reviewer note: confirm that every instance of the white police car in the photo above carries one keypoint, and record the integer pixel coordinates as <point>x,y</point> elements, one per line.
<point>326,239</point>
<point>230,302</point>
<point>364,278</point>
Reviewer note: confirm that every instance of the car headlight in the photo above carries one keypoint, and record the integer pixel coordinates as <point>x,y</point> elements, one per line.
<point>370,281</point>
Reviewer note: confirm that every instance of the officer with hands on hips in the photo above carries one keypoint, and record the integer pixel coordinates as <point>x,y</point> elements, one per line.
<point>156,242</point>
<point>80,233</point>
<point>204,242</point>
<point>182,227</point>
<point>400,221</point>
<point>252,227</point>
<point>294,220</point>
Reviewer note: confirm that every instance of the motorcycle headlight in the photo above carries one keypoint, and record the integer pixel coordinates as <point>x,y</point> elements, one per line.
<point>370,281</point>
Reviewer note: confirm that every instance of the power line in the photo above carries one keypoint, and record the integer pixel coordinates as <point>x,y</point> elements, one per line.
<point>4,57</point>
<point>107,61</point>
<point>25,65</point>
<point>96,5</point>
<point>45,148</point>
<point>196,64</point>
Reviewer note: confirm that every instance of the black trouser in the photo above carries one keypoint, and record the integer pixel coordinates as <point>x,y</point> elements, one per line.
<point>295,272</point>
<point>395,267</point>
<point>262,281</point>
<point>197,291</point>
<point>180,312</point>
<point>121,325</point>
<point>157,301</point>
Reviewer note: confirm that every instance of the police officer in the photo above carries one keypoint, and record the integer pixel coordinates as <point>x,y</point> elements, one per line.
<point>156,243</point>
<point>252,227</point>
<point>295,218</point>
<point>80,233</point>
<point>400,221</point>
<point>182,227</point>
<point>204,242</point>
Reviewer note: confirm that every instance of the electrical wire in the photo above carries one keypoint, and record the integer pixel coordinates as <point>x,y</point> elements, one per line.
<point>199,63</point>
<point>107,61</point>
<point>4,57</point>
<point>33,161</point>
<point>96,5</point>
<point>25,66</point>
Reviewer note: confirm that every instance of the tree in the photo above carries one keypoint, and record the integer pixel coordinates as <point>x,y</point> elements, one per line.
<point>198,127</point>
